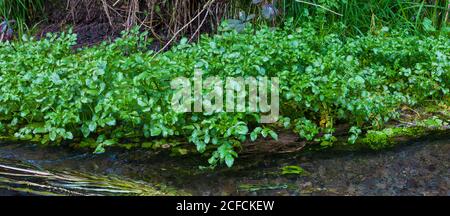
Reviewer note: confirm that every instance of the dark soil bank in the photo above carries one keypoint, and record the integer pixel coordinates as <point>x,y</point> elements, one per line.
<point>98,21</point>
<point>87,19</point>
<point>416,168</point>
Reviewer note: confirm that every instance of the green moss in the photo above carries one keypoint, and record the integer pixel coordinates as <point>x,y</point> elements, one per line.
<point>8,138</point>
<point>385,138</point>
<point>376,140</point>
<point>404,131</point>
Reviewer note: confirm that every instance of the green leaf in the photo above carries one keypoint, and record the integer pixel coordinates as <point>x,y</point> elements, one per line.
<point>155,131</point>
<point>229,160</point>
<point>52,135</point>
<point>201,147</point>
<point>68,135</point>
<point>265,132</point>
<point>242,129</point>
<point>183,41</point>
<point>92,126</point>
<point>99,149</point>
<point>359,79</point>
<point>207,138</point>
<point>253,136</point>
<point>273,134</point>
<point>85,130</point>
<point>39,130</point>
<point>111,122</point>
<point>55,78</point>
<point>352,139</point>
<point>214,158</point>
<point>428,25</point>
<point>109,142</point>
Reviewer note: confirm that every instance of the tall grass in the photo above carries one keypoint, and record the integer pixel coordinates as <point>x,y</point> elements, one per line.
<point>22,11</point>
<point>365,15</point>
<point>190,17</point>
<point>361,15</point>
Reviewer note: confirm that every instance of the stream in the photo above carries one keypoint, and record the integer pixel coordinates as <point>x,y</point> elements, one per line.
<point>420,167</point>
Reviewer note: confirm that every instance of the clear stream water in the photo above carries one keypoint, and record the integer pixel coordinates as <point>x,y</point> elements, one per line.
<point>420,167</point>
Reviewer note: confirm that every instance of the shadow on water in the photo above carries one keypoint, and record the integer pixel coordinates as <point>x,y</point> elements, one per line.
<point>416,168</point>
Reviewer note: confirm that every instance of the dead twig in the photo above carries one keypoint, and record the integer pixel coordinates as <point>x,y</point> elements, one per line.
<point>105,8</point>
<point>205,7</point>
<point>200,25</point>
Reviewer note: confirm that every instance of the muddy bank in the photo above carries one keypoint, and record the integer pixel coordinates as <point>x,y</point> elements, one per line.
<point>418,167</point>
<point>98,21</point>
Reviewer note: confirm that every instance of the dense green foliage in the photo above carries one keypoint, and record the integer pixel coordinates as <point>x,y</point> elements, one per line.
<point>120,90</point>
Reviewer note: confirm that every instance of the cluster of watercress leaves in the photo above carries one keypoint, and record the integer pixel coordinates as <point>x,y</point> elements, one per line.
<point>116,91</point>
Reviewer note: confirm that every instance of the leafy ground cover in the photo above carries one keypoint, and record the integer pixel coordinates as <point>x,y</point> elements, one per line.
<point>115,92</point>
